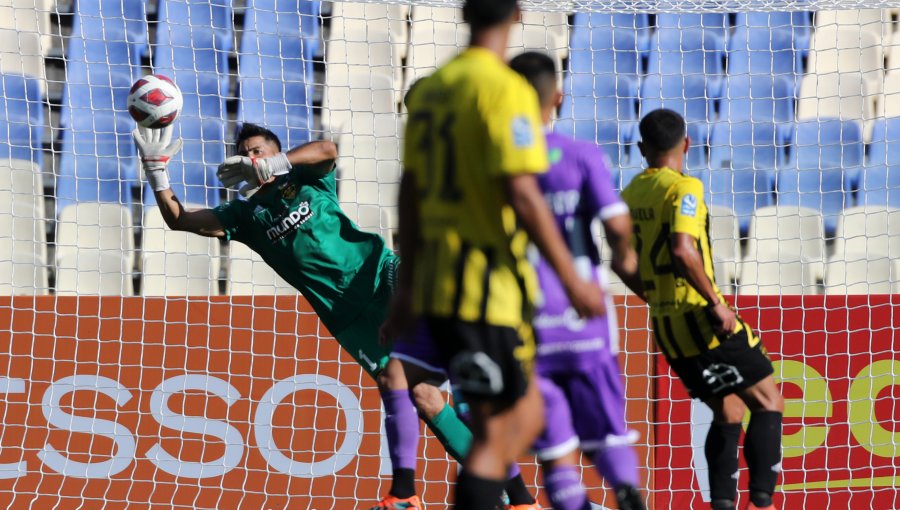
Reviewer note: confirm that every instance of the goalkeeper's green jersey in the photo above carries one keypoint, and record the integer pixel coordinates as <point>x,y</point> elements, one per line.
<point>297,226</point>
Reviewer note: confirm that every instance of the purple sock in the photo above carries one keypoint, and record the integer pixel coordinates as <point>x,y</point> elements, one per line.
<point>563,484</point>
<point>617,465</point>
<point>401,424</point>
<point>514,471</point>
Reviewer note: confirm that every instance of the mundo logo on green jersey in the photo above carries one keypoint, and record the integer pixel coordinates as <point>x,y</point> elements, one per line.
<point>289,221</point>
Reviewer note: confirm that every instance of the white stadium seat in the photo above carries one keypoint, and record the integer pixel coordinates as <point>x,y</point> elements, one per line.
<point>28,16</point>
<point>21,53</point>
<point>862,273</point>
<point>23,273</point>
<point>889,103</point>
<point>250,275</point>
<point>848,51</point>
<point>95,227</point>
<point>724,240</point>
<point>876,22</point>
<point>93,272</point>
<point>837,95</point>
<point>437,34</point>
<point>22,226</point>
<point>177,263</point>
<point>874,230</point>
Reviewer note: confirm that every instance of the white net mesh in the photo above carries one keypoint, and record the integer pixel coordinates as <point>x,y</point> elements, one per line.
<point>141,365</point>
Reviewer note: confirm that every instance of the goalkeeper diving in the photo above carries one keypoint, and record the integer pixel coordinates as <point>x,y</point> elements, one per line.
<point>291,217</point>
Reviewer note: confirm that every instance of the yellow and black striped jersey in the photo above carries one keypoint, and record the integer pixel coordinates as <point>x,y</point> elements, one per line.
<point>472,124</point>
<point>663,202</point>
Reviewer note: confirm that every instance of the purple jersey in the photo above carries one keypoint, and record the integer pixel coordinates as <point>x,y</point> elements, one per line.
<point>578,187</point>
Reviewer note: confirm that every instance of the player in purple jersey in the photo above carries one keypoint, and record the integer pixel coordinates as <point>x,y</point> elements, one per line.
<point>578,372</point>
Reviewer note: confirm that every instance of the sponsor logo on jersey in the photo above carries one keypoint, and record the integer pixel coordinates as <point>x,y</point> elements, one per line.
<point>521,131</point>
<point>689,205</point>
<point>556,156</point>
<point>289,222</point>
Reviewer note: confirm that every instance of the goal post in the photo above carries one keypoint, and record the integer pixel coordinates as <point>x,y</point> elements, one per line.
<point>141,366</point>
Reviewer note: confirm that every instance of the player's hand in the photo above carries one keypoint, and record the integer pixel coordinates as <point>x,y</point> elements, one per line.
<point>255,171</point>
<point>399,320</point>
<point>725,319</point>
<point>156,149</point>
<point>587,298</point>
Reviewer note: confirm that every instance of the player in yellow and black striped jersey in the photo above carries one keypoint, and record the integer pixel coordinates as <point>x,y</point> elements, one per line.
<point>714,352</point>
<point>469,202</point>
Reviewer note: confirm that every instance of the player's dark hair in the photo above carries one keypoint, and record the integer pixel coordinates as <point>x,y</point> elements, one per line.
<point>482,14</point>
<point>249,130</point>
<point>662,130</point>
<point>540,71</point>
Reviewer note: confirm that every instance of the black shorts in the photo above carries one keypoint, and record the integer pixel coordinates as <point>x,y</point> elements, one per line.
<point>484,361</point>
<point>733,366</point>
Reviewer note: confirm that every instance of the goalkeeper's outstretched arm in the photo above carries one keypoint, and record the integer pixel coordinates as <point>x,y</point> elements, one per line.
<point>157,148</point>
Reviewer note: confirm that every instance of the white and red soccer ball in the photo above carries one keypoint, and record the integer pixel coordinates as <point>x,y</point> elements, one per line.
<point>154,101</point>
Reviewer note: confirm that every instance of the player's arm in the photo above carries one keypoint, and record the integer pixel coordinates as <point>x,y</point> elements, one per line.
<point>525,197</point>
<point>624,262</point>
<point>157,148</point>
<point>314,159</point>
<point>688,260</point>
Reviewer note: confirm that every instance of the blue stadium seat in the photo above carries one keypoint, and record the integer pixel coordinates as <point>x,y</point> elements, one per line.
<point>112,21</point>
<point>689,52</point>
<point>192,173</point>
<point>881,178</point>
<point>758,51</point>
<point>275,85</point>
<point>21,119</point>
<point>745,145</point>
<point>600,110</point>
<point>743,190</point>
<point>605,51</point>
<point>713,22</point>
<point>797,23</point>
<point>191,17</point>
<point>685,94</point>
<point>98,161</point>
<point>619,24</point>
<point>826,158</point>
<point>758,98</point>
<point>286,18</point>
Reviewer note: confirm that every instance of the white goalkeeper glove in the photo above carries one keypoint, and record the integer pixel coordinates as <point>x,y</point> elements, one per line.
<point>255,171</point>
<point>156,148</point>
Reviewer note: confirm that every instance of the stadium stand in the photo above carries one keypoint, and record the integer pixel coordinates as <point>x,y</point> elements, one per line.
<point>742,189</point>
<point>23,234</point>
<point>880,184</point>
<point>866,257</point>
<point>177,263</point>
<point>25,38</point>
<point>724,238</point>
<point>250,275</point>
<point>689,95</point>
<point>21,119</point>
<point>94,250</point>
<point>797,24</point>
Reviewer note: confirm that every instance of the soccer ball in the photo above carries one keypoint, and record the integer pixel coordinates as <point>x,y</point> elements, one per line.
<point>154,101</point>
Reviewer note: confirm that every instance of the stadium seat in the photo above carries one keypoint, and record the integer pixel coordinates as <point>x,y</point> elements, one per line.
<point>742,190</point>
<point>556,23</point>
<point>21,273</point>
<point>724,239</point>
<point>889,101</point>
<point>858,273</point>
<point>714,22</point>
<point>363,92</point>
<point>193,42</point>
<point>841,96</point>
<point>276,85</point>
<point>287,18</point>
<point>798,24</point>
<point>826,159</point>
<point>609,44</point>
<point>785,252</point>
<point>83,272</point>
<point>21,53</point>
<point>29,16</point>
<point>760,99</point>
<point>600,110</point>
<point>98,161</point>
<point>369,162</point>
<point>760,52</point>
<point>848,51</point>
<point>745,145</point>
<point>880,183</point>
<point>436,35</point>
<point>187,18</point>
<point>689,52</point>
<point>686,94</point>
<point>192,172</point>
<point>112,21</point>
<point>95,227</point>
<point>533,34</point>
<point>876,22</point>
<point>177,263</point>
<point>873,230</point>
<point>21,119</point>
<point>23,231</point>
<point>250,275</point>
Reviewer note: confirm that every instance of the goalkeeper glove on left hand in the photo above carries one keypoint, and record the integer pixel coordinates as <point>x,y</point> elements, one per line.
<point>256,171</point>
<point>156,148</point>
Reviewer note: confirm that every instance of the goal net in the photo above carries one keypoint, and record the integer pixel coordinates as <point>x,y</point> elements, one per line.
<point>141,366</point>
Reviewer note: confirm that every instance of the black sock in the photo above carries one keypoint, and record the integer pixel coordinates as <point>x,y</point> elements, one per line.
<point>722,460</point>
<point>762,449</point>
<point>404,484</point>
<point>629,498</point>
<point>517,491</point>
<point>474,493</point>
<point>722,504</point>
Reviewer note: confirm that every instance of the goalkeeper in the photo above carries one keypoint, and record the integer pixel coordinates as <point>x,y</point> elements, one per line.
<point>293,220</point>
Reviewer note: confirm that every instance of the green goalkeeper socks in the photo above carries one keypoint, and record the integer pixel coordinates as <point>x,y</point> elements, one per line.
<point>451,432</point>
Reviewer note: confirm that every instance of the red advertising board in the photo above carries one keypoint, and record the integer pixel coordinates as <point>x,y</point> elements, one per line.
<point>838,360</point>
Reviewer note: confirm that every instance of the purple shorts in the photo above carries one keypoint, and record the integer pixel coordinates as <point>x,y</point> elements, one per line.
<point>585,408</point>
